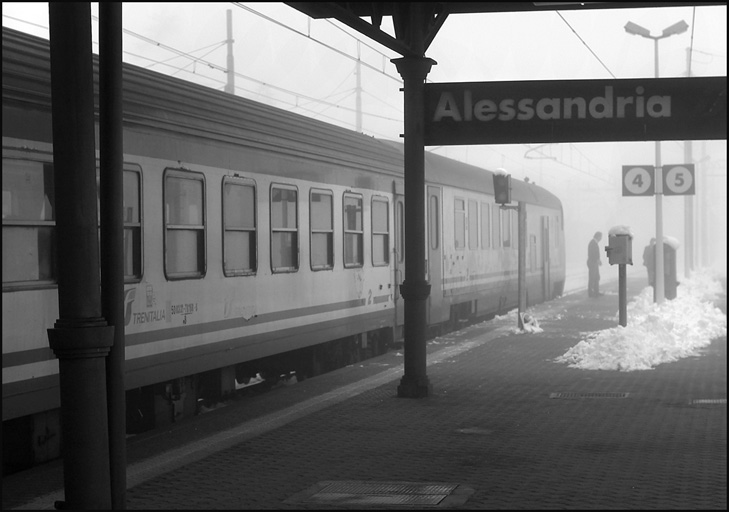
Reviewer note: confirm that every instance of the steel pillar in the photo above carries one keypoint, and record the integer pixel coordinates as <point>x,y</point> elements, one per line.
<point>415,289</point>
<point>80,338</point>
<point>111,184</point>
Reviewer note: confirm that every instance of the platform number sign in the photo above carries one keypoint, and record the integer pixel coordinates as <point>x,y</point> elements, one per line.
<point>678,180</point>
<point>638,180</point>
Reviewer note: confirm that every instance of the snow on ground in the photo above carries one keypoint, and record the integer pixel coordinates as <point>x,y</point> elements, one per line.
<point>655,333</point>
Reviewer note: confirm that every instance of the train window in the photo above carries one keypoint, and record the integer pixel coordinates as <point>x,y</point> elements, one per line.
<point>496,227</point>
<point>460,227</point>
<point>380,231</point>
<point>29,249</point>
<point>132,225</point>
<point>239,227</point>
<point>485,225</point>
<point>553,231</point>
<point>400,231</point>
<point>506,228</point>
<point>433,221</point>
<point>132,238</point>
<point>284,229</point>
<point>472,224</point>
<point>353,231</point>
<point>184,199</point>
<point>321,210</point>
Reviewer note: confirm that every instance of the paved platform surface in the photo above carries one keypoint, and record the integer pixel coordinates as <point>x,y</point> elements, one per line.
<point>505,428</point>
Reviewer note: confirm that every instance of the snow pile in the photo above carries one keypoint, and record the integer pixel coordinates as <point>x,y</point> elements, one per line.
<point>655,333</point>
<point>530,324</point>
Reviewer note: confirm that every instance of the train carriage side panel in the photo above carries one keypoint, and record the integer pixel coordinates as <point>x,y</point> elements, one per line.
<point>170,124</point>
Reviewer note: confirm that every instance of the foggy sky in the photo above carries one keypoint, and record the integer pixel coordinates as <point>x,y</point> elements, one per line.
<point>288,60</point>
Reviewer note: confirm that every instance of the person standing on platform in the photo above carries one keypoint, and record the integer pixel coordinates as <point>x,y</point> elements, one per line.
<point>593,266</point>
<point>649,261</point>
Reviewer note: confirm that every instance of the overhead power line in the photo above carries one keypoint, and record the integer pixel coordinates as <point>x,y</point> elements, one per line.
<point>336,50</point>
<point>586,45</point>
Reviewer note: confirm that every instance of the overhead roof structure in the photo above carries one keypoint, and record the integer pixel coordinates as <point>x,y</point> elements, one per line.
<point>415,26</point>
<point>428,17</point>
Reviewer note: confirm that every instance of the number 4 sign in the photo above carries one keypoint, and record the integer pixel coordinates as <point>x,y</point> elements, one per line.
<point>678,180</point>
<point>638,180</point>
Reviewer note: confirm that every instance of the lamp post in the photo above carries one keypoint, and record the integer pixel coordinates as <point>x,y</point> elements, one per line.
<point>637,30</point>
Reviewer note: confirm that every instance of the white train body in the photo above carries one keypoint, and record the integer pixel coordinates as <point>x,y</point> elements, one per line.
<point>257,242</point>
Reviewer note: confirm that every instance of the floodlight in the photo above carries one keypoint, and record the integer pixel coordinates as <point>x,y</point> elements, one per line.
<point>676,28</point>
<point>635,29</point>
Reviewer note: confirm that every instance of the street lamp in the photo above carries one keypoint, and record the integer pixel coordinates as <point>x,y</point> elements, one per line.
<point>637,30</point>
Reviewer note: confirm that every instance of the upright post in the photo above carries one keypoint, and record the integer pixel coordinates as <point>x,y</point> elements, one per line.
<point>622,296</point>
<point>522,262</point>
<point>688,223</point>
<point>676,28</point>
<point>111,185</point>
<point>230,83</point>
<point>659,290</point>
<point>415,289</point>
<point>80,337</point>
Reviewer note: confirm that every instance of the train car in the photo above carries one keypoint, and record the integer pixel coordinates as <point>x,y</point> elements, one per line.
<point>259,244</point>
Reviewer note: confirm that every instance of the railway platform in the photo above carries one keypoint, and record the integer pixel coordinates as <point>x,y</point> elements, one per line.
<point>507,427</point>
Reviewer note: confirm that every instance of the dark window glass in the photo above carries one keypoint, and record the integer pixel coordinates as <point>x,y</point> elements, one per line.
<point>353,231</point>
<point>239,227</point>
<point>29,249</point>
<point>321,208</point>
<point>485,225</point>
<point>284,229</point>
<point>460,227</point>
<point>472,224</point>
<point>184,225</point>
<point>380,231</point>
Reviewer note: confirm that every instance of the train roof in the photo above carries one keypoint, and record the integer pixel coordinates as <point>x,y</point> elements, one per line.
<point>156,101</point>
<point>446,171</point>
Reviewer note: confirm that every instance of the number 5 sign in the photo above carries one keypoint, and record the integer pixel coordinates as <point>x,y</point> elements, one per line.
<point>678,180</point>
<point>638,180</point>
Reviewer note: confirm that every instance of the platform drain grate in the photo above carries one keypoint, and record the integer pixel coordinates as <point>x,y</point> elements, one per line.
<point>575,396</point>
<point>362,493</point>
<point>709,401</point>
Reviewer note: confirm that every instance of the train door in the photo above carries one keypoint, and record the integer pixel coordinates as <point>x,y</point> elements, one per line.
<point>546,277</point>
<point>434,252</point>
<point>399,254</point>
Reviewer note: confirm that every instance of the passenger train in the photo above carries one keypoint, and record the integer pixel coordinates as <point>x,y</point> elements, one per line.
<point>257,243</point>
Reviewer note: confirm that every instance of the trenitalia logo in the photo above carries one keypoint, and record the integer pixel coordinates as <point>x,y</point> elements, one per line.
<point>525,109</point>
<point>575,111</point>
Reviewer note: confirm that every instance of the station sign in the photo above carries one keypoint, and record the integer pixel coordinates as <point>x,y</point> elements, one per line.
<point>677,180</point>
<point>467,113</point>
<point>638,180</point>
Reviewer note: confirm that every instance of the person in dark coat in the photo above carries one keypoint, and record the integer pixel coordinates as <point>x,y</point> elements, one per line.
<point>649,261</point>
<point>593,266</point>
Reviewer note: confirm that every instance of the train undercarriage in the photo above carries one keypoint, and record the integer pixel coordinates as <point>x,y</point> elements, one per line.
<point>35,439</point>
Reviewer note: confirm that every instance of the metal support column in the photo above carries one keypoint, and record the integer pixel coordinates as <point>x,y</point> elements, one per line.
<point>415,289</point>
<point>522,225</point>
<point>80,338</point>
<point>112,236</point>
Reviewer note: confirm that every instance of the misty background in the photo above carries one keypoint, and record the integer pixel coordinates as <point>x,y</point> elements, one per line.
<point>325,70</point>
